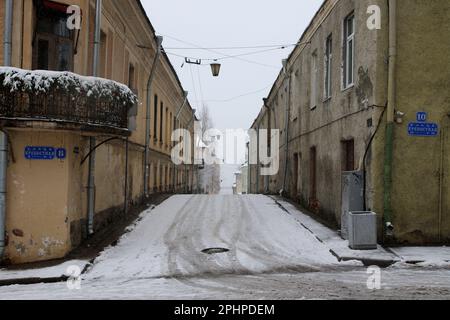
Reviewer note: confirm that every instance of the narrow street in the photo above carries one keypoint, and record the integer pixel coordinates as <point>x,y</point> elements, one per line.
<point>270,256</point>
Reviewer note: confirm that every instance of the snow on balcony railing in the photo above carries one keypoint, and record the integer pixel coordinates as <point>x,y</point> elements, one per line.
<point>64,96</point>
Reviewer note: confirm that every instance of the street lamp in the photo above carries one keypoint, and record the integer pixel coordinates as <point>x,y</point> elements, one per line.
<point>215,68</point>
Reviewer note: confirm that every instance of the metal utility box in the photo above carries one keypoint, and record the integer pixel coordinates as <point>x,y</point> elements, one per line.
<point>362,230</point>
<point>352,197</point>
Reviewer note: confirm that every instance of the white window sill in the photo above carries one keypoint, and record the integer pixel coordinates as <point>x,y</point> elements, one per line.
<point>351,86</point>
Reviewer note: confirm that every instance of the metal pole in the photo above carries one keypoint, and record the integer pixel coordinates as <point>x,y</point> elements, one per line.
<point>7,43</point>
<point>286,121</point>
<point>127,150</point>
<point>159,41</point>
<point>92,140</point>
<point>177,116</point>
<point>249,171</point>
<point>91,188</point>
<point>388,227</point>
<point>7,37</point>
<point>186,178</point>
<point>257,160</point>
<point>3,177</point>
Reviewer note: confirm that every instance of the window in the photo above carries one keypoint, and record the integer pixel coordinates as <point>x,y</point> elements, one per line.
<point>348,155</point>
<point>103,49</point>
<point>131,78</point>
<point>349,50</point>
<point>155,118</point>
<point>167,122</point>
<point>313,174</point>
<point>313,98</point>
<point>53,45</point>
<point>328,65</point>
<point>161,123</point>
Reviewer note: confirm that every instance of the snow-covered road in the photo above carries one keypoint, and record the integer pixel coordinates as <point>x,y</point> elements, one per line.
<point>270,256</point>
<point>168,242</point>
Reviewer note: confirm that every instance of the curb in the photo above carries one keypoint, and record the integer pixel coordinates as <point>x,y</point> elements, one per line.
<point>28,281</point>
<point>367,261</point>
<point>36,280</point>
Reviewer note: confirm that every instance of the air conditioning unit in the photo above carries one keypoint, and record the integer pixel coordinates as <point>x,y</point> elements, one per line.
<point>362,230</point>
<point>352,197</point>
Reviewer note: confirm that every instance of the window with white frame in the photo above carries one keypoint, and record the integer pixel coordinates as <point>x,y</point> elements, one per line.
<point>349,50</point>
<point>313,98</point>
<point>328,65</point>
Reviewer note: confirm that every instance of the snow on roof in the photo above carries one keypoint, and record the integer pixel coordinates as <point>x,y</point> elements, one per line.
<point>41,81</point>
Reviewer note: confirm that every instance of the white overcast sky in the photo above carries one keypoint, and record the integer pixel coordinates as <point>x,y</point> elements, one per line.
<point>230,23</point>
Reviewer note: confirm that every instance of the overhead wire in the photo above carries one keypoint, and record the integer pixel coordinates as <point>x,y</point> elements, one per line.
<point>239,96</point>
<point>216,52</point>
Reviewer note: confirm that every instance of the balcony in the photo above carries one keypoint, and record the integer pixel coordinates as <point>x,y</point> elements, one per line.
<point>64,100</point>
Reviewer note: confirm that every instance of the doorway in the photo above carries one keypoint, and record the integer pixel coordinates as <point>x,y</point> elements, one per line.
<point>313,175</point>
<point>295,177</point>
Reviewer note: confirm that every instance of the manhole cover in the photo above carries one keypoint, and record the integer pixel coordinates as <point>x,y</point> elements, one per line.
<point>215,250</point>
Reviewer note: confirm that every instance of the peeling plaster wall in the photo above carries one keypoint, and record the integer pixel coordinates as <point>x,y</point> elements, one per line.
<point>421,204</point>
<point>423,83</point>
<point>37,213</point>
<point>46,205</point>
<point>343,117</point>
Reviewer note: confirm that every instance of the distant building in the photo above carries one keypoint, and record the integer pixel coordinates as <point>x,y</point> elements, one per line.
<point>355,97</point>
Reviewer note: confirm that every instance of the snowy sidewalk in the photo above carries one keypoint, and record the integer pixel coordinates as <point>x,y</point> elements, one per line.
<point>335,243</point>
<point>40,275</point>
<point>422,256</point>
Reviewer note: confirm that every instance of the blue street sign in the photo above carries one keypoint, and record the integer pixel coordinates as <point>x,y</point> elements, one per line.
<point>422,129</point>
<point>421,116</point>
<point>39,153</point>
<point>61,153</point>
<point>44,153</point>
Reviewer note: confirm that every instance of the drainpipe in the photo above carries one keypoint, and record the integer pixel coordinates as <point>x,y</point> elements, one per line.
<point>159,41</point>
<point>7,43</point>
<point>92,140</point>
<point>249,180</point>
<point>257,160</point>
<point>269,142</point>
<point>7,37</point>
<point>187,179</point>
<point>444,130</point>
<point>177,116</point>
<point>286,121</point>
<point>389,227</point>
<point>3,176</point>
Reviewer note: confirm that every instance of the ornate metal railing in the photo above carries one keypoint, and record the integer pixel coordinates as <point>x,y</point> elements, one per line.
<point>73,104</point>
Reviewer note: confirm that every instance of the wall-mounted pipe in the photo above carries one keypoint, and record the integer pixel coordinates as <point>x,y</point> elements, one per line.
<point>286,121</point>
<point>7,36</point>
<point>187,179</point>
<point>249,178</point>
<point>258,169</point>
<point>444,132</point>
<point>7,50</point>
<point>159,41</point>
<point>92,142</point>
<point>176,125</point>
<point>389,140</point>
<point>3,175</point>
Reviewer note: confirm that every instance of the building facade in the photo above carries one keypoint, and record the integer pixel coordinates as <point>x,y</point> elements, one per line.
<point>47,212</point>
<point>356,95</point>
